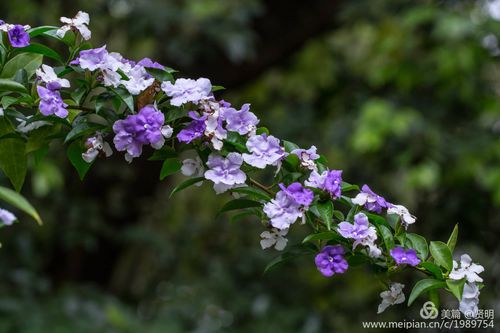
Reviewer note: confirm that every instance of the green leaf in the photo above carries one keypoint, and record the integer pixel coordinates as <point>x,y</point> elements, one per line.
<point>327,235</point>
<point>74,153</point>
<point>386,236</point>
<point>125,97</point>
<point>15,199</point>
<point>252,191</point>
<point>237,141</point>
<point>433,268</point>
<point>82,129</point>
<point>185,184</point>
<point>441,254</point>
<point>33,32</point>
<point>456,287</point>
<point>346,187</point>
<point>238,204</point>
<point>217,88</point>
<point>160,74</point>
<point>378,220</point>
<point>294,252</point>
<point>13,161</point>
<point>419,243</point>
<point>10,85</point>
<point>169,167</point>
<point>289,146</point>
<point>162,154</point>
<point>8,101</point>
<point>423,286</point>
<point>452,241</point>
<point>291,163</point>
<point>174,114</point>
<point>27,61</point>
<point>325,210</point>
<point>43,50</point>
<point>242,215</point>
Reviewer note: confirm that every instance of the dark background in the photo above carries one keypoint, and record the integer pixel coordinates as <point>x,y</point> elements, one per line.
<point>402,95</point>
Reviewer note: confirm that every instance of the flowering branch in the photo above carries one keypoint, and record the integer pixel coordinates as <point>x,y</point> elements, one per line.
<point>141,104</point>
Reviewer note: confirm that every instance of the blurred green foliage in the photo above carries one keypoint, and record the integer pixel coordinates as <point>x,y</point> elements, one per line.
<point>401,96</point>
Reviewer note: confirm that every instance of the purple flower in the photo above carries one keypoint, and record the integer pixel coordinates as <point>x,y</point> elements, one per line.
<point>357,231</point>
<point>18,37</point>
<point>242,121</point>
<point>143,128</point>
<point>307,157</point>
<point>283,210</point>
<point>6,217</point>
<point>187,90</point>
<point>331,260</point>
<point>225,172</point>
<point>93,59</point>
<point>402,256</point>
<point>148,63</point>
<point>329,181</point>
<point>301,195</point>
<point>51,103</point>
<point>372,201</point>
<point>265,150</point>
<point>194,129</point>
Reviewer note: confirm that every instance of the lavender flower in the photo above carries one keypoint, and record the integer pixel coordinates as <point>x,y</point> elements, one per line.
<point>329,181</point>
<point>307,157</point>
<point>362,233</point>
<point>148,63</point>
<point>94,59</point>
<point>225,172</point>
<point>135,131</point>
<point>193,168</point>
<point>18,37</point>
<point>274,237</point>
<point>95,146</point>
<point>331,260</point>
<point>402,256</point>
<point>392,296</point>
<point>214,130</point>
<point>470,300</point>
<point>194,129</point>
<point>6,217</point>
<point>242,121</point>
<point>138,80</point>
<point>265,150</point>
<point>48,76</point>
<point>187,90</point>
<point>302,196</point>
<point>51,103</point>
<point>282,211</point>
<point>372,201</point>
<point>79,22</point>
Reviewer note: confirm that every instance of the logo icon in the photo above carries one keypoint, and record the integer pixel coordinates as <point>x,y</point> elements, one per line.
<point>429,311</point>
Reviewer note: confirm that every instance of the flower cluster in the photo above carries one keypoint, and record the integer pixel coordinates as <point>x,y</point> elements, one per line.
<point>230,149</point>
<point>137,130</point>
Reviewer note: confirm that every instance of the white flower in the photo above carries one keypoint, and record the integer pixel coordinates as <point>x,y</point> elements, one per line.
<point>214,131</point>
<point>467,270</point>
<point>470,300</point>
<point>6,217</point>
<point>48,76</point>
<point>1,112</point>
<point>137,80</point>
<point>167,131</point>
<point>392,296</point>
<point>404,214</point>
<point>96,145</point>
<point>193,168</point>
<point>6,27</point>
<point>274,237</point>
<point>79,22</point>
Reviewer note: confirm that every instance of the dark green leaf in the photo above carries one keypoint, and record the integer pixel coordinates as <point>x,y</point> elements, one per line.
<point>294,252</point>
<point>419,243</point>
<point>162,154</point>
<point>27,61</point>
<point>217,88</point>
<point>289,146</point>
<point>452,241</point>
<point>185,184</point>
<point>82,129</point>
<point>174,114</point>
<point>238,204</point>
<point>13,161</point>
<point>327,235</point>
<point>74,153</point>
<point>441,254</point>
<point>386,236</point>
<point>160,74</point>
<point>169,167</point>
<point>43,50</point>
<point>10,85</point>
<point>456,287</point>
<point>423,286</point>
<point>433,268</point>
<point>325,210</point>
<point>33,32</point>
<point>125,97</point>
<point>15,199</point>
<point>252,191</point>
